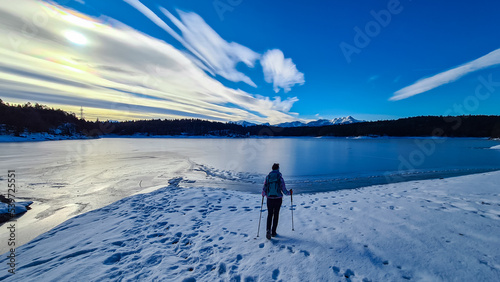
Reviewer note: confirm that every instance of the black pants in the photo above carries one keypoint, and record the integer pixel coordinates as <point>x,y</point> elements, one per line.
<point>273,213</point>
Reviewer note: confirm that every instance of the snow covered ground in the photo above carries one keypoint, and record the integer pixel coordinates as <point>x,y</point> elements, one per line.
<point>432,230</point>
<point>31,137</point>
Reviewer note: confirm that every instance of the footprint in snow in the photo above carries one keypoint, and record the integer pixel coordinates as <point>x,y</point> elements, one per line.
<point>276,274</point>
<point>222,268</point>
<point>348,273</point>
<point>153,235</point>
<point>306,253</point>
<point>154,260</point>
<point>118,243</point>
<point>191,235</point>
<point>112,259</point>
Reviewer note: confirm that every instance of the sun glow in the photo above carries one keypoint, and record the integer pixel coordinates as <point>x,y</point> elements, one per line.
<point>75,37</point>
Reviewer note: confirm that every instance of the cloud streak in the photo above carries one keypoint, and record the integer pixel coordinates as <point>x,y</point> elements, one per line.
<point>118,73</point>
<point>448,76</point>
<point>220,57</point>
<point>216,55</point>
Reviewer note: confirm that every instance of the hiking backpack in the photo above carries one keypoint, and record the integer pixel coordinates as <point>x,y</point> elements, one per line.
<point>273,185</point>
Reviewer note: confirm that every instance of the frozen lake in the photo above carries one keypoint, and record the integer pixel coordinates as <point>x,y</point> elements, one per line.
<point>308,164</point>
<point>67,178</point>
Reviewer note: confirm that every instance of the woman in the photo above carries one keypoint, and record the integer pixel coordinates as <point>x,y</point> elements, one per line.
<point>274,187</point>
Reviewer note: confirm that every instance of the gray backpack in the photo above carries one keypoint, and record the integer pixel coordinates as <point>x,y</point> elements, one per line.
<point>273,184</point>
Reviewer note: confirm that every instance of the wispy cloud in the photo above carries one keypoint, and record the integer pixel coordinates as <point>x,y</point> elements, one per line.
<point>448,76</point>
<point>218,56</point>
<point>281,72</point>
<point>117,72</point>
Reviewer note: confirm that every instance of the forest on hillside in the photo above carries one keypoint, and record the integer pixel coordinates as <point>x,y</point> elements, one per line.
<point>29,118</point>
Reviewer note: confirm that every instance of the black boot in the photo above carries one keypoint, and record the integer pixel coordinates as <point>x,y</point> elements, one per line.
<point>268,234</point>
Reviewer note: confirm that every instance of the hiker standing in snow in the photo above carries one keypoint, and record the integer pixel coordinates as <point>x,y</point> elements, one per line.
<point>273,189</point>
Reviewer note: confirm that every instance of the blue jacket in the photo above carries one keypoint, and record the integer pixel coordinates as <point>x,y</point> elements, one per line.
<point>282,186</point>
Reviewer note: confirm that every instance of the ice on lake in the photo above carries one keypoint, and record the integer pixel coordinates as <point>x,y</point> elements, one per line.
<point>67,178</point>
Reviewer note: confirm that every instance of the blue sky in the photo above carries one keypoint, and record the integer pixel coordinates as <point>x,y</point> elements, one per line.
<point>263,61</point>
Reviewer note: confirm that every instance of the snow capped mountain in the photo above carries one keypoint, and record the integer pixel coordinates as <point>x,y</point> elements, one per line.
<point>345,120</point>
<point>244,123</point>
<point>321,122</point>
<point>291,124</point>
<point>315,123</point>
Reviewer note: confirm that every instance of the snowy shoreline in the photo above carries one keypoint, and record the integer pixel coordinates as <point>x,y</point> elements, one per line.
<point>39,137</point>
<point>431,230</point>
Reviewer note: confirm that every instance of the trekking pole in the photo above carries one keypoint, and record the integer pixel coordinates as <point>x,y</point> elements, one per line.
<point>291,198</point>
<point>260,217</point>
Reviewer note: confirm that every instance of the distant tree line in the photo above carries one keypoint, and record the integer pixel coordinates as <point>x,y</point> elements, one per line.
<point>177,127</point>
<point>39,118</point>
<point>441,126</point>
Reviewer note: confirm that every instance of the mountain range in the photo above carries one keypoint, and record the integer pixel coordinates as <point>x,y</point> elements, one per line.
<point>314,123</point>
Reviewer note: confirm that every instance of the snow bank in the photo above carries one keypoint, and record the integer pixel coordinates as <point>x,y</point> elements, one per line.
<point>38,137</point>
<point>497,147</point>
<point>429,230</point>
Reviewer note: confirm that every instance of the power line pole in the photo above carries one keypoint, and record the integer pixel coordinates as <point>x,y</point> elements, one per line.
<point>81,112</point>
